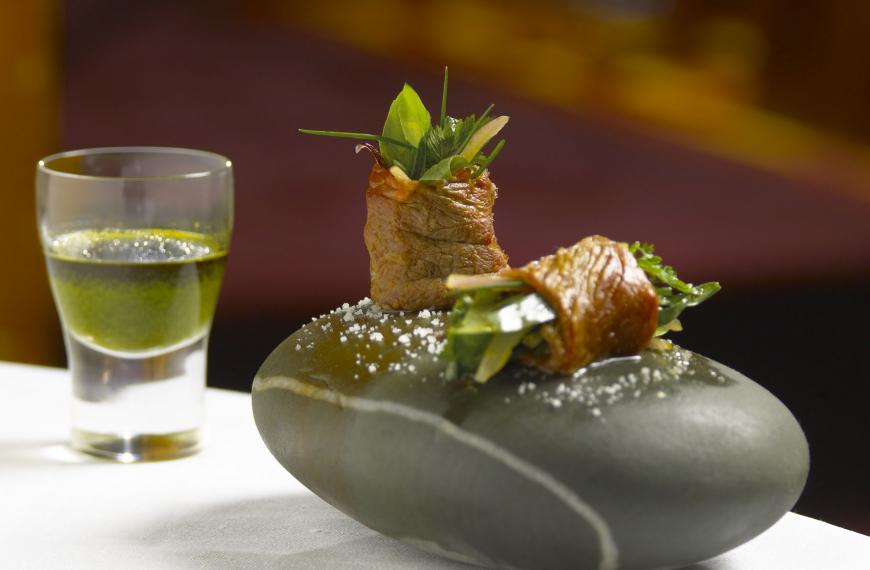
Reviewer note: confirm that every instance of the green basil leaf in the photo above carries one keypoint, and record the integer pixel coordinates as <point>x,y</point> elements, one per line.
<point>407,121</point>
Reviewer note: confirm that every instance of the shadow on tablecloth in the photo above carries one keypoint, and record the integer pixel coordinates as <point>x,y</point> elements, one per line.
<point>296,531</point>
<point>40,453</point>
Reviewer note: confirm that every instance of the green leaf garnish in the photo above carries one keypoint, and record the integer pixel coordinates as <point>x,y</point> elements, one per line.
<point>443,118</point>
<point>675,295</point>
<point>358,136</point>
<point>484,161</point>
<point>443,169</point>
<point>407,121</point>
<point>486,326</point>
<point>481,136</point>
<point>430,153</point>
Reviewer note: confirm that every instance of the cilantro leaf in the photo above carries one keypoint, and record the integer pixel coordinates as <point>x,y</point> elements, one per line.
<point>675,295</point>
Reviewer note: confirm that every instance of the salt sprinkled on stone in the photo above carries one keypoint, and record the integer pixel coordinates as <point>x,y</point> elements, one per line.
<point>298,347</point>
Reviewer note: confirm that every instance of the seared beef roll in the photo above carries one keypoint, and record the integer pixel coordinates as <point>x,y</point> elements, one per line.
<point>429,201</point>
<point>596,299</point>
<point>604,303</point>
<point>418,234</point>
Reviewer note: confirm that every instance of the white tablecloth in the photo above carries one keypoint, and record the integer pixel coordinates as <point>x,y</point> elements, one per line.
<point>233,506</point>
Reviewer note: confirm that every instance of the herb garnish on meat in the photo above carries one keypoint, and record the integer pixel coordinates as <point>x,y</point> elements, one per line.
<point>411,146</point>
<point>675,295</point>
<point>494,315</point>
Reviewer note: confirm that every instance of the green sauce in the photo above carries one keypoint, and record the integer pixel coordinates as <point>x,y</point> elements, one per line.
<point>136,290</point>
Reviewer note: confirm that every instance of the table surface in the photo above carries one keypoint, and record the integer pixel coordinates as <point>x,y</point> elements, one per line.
<point>233,506</point>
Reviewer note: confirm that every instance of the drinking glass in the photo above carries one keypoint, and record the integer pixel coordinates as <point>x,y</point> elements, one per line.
<point>136,241</point>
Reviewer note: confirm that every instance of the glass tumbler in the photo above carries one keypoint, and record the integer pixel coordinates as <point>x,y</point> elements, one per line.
<point>136,242</point>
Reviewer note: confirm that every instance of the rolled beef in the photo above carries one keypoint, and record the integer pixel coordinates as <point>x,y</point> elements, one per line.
<point>418,234</point>
<point>605,304</point>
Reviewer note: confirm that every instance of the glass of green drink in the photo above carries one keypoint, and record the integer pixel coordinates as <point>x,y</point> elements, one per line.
<point>136,241</point>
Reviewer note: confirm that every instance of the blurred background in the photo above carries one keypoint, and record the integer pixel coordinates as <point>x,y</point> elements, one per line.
<point>735,135</point>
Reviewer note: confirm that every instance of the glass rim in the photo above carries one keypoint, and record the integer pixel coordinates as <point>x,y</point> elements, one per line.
<point>223,163</point>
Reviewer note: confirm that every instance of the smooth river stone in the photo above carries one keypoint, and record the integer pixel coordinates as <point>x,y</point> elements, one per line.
<point>654,461</point>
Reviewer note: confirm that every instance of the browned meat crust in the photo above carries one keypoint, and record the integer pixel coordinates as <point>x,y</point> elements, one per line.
<point>605,303</point>
<point>418,234</point>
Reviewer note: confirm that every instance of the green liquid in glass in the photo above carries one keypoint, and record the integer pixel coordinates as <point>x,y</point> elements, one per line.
<point>137,290</point>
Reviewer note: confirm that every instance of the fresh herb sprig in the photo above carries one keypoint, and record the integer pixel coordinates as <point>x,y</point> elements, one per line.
<point>494,315</point>
<point>675,295</point>
<point>431,153</point>
<point>485,327</point>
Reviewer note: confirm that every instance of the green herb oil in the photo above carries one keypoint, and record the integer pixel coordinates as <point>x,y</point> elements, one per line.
<point>138,290</point>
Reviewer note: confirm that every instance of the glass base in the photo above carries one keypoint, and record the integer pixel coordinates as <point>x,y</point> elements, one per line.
<point>140,447</point>
<point>131,408</point>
